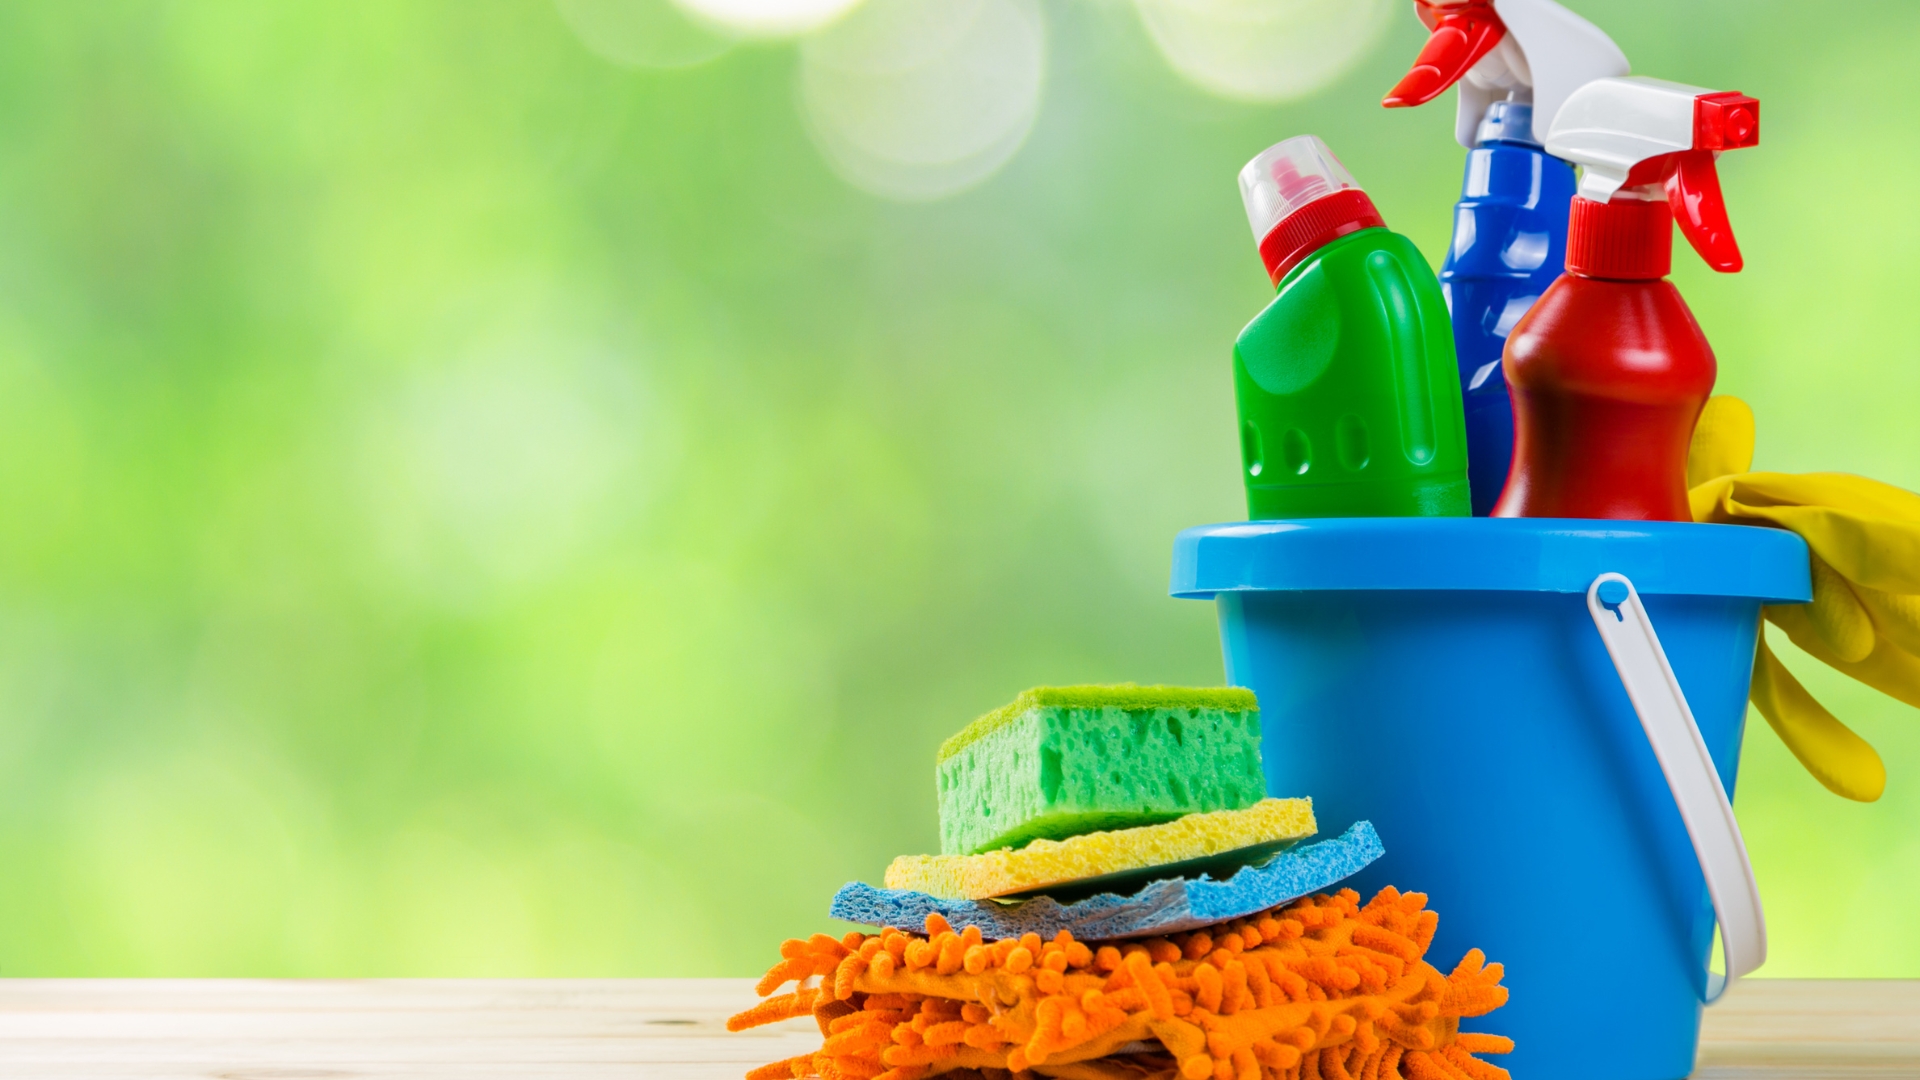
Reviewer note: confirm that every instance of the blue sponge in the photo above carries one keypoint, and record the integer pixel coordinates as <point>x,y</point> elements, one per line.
<point>1164,907</point>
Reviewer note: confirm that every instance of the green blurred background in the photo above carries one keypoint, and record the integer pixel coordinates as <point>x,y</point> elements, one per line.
<point>475,500</point>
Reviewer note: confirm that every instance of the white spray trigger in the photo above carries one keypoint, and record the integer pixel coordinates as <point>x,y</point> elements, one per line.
<point>1547,54</point>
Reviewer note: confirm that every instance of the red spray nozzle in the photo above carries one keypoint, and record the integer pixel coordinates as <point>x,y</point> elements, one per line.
<point>1728,120</point>
<point>1648,139</point>
<point>1462,34</point>
<point>1533,52</point>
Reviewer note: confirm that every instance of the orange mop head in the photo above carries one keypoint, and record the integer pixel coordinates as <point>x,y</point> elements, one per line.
<point>1321,989</point>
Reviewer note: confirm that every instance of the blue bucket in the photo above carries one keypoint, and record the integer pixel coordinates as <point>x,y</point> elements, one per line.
<point>1442,678</point>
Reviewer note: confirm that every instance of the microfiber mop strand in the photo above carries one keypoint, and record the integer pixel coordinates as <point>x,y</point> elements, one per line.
<point>1163,907</point>
<point>1323,990</point>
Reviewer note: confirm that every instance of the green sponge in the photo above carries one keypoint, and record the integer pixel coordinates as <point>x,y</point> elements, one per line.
<point>1064,760</point>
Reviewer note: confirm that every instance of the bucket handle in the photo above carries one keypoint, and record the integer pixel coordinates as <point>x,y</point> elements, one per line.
<point>1662,707</point>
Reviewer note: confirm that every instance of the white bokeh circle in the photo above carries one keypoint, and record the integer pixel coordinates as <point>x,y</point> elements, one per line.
<point>768,18</point>
<point>920,99</point>
<point>642,33</point>
<point>1264,50</point>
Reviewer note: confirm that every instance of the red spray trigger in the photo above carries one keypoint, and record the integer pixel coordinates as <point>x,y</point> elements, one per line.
<point>1723,121</point>
<point>1462,34</point>
<point>1693,191</point>
<point>1690,181</point>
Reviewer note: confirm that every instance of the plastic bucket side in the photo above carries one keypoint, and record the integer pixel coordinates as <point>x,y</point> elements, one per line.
<point>1486,735</point>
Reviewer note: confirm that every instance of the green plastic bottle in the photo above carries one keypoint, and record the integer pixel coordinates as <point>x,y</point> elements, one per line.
<point>1349,401</point>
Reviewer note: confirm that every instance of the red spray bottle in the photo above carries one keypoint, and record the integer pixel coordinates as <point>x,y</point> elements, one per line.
<point>1608,370</point>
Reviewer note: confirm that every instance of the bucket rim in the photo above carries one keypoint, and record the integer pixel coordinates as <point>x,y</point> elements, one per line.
<point>1559,555</point>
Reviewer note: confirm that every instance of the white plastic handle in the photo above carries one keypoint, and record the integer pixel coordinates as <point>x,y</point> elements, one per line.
<point>1697,791</point>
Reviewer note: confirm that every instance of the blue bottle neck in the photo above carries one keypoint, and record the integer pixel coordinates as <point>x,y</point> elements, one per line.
<point>1506,122</point>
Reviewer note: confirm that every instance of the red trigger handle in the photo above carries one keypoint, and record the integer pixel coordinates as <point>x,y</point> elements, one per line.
<point>1693,191</point>
<point>1462,34</point>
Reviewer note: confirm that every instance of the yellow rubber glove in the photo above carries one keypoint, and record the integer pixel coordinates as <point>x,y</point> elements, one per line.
<point>1722,441</point>
<point>1864,620</point>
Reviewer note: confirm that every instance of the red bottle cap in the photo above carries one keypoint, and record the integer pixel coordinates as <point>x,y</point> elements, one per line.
<point>1314,226</point>
<point>1299,199</point>
<point>1620,240</point>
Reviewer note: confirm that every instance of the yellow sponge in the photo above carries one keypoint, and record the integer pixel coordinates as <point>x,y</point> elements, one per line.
<point>1045,863</point>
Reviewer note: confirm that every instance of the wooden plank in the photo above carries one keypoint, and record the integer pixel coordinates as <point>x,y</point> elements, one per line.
<point>284,1030</point>
<point>1813,1030</point>
<point>274,995</point>
<point>673,1029</point>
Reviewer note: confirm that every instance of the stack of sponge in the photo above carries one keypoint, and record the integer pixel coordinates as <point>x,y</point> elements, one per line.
<point>1137,816</point>
<point>1110,811</point>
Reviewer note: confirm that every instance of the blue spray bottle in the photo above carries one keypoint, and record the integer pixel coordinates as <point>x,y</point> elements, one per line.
<point>1516,62</point>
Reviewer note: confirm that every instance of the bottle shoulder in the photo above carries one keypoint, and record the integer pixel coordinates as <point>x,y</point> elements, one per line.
<point>1511,220</point>
<point>1363,295</point>
<point>1521,176</point>
<point>1346,261</point>
<point>1575,304</point>
<point>1634,338</point>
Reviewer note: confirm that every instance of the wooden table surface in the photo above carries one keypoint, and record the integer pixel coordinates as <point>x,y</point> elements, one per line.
<point>573,1029</point>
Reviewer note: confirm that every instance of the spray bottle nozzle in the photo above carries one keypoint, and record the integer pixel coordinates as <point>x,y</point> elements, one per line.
<point>1462,34</point>
<point>1648,139</point>
<point>1725,121</point>
<point>1528,51</point>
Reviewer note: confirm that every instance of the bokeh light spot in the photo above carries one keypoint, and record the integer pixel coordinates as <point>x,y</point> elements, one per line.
<point>771,18</point>
<point>642,33</point>
<point>921,99</point>
<point>1263,50</point>
<point>501,464</point>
